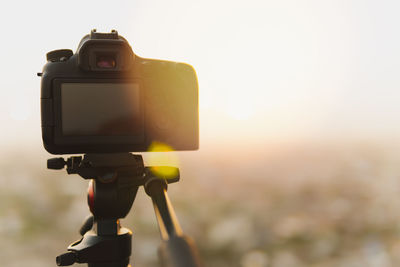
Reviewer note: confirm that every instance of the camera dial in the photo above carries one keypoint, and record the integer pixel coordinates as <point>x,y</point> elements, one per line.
<point>59,55</point>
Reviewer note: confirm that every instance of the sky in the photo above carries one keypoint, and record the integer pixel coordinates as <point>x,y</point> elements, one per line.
<point>267,70</point>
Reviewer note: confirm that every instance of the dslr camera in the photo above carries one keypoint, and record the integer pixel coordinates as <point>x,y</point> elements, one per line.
<point>105,99</point>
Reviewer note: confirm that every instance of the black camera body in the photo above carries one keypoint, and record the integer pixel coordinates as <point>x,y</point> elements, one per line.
<point>106,99</point>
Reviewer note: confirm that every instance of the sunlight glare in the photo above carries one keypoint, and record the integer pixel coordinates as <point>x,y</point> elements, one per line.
<point>160,162</point>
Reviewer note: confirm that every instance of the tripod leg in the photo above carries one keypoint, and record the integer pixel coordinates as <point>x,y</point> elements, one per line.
<point>176,250</point>
<point>166,218</point>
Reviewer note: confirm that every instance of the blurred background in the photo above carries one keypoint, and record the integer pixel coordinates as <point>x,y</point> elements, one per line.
<point>299,162</point>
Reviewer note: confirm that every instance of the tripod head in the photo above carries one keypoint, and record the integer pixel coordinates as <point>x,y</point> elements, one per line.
<point>120,173</point>
<point>115,179</point>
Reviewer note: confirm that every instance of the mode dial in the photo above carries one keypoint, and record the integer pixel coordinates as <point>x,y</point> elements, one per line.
<point>59,55</point>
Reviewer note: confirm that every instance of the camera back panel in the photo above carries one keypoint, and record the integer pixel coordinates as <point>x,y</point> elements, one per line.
<point>105,99</point>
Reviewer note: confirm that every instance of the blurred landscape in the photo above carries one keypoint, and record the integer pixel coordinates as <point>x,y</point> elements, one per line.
<point>279,205</point>
<point>299,109</point>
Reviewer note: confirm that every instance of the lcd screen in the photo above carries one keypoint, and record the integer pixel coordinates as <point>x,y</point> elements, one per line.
<point>101,109</point>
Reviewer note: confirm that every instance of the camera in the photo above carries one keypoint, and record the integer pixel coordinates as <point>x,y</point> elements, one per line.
<point>105,99</point>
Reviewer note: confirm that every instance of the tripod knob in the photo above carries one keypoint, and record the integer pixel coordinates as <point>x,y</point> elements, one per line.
<point>66,259</point>
<point>56,163</point>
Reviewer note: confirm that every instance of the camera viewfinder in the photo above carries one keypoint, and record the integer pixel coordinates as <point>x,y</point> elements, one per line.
<point>104,61</point>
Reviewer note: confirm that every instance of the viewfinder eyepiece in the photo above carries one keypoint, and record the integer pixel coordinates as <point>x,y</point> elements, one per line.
<point>104,61</point>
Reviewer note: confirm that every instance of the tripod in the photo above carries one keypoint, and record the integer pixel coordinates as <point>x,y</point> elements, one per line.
<point>115,179</point>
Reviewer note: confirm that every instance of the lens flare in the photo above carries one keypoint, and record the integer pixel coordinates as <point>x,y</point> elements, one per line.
<point>162,162</point>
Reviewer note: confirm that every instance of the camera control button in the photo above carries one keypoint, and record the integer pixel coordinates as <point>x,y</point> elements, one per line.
<point>59,55</point>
